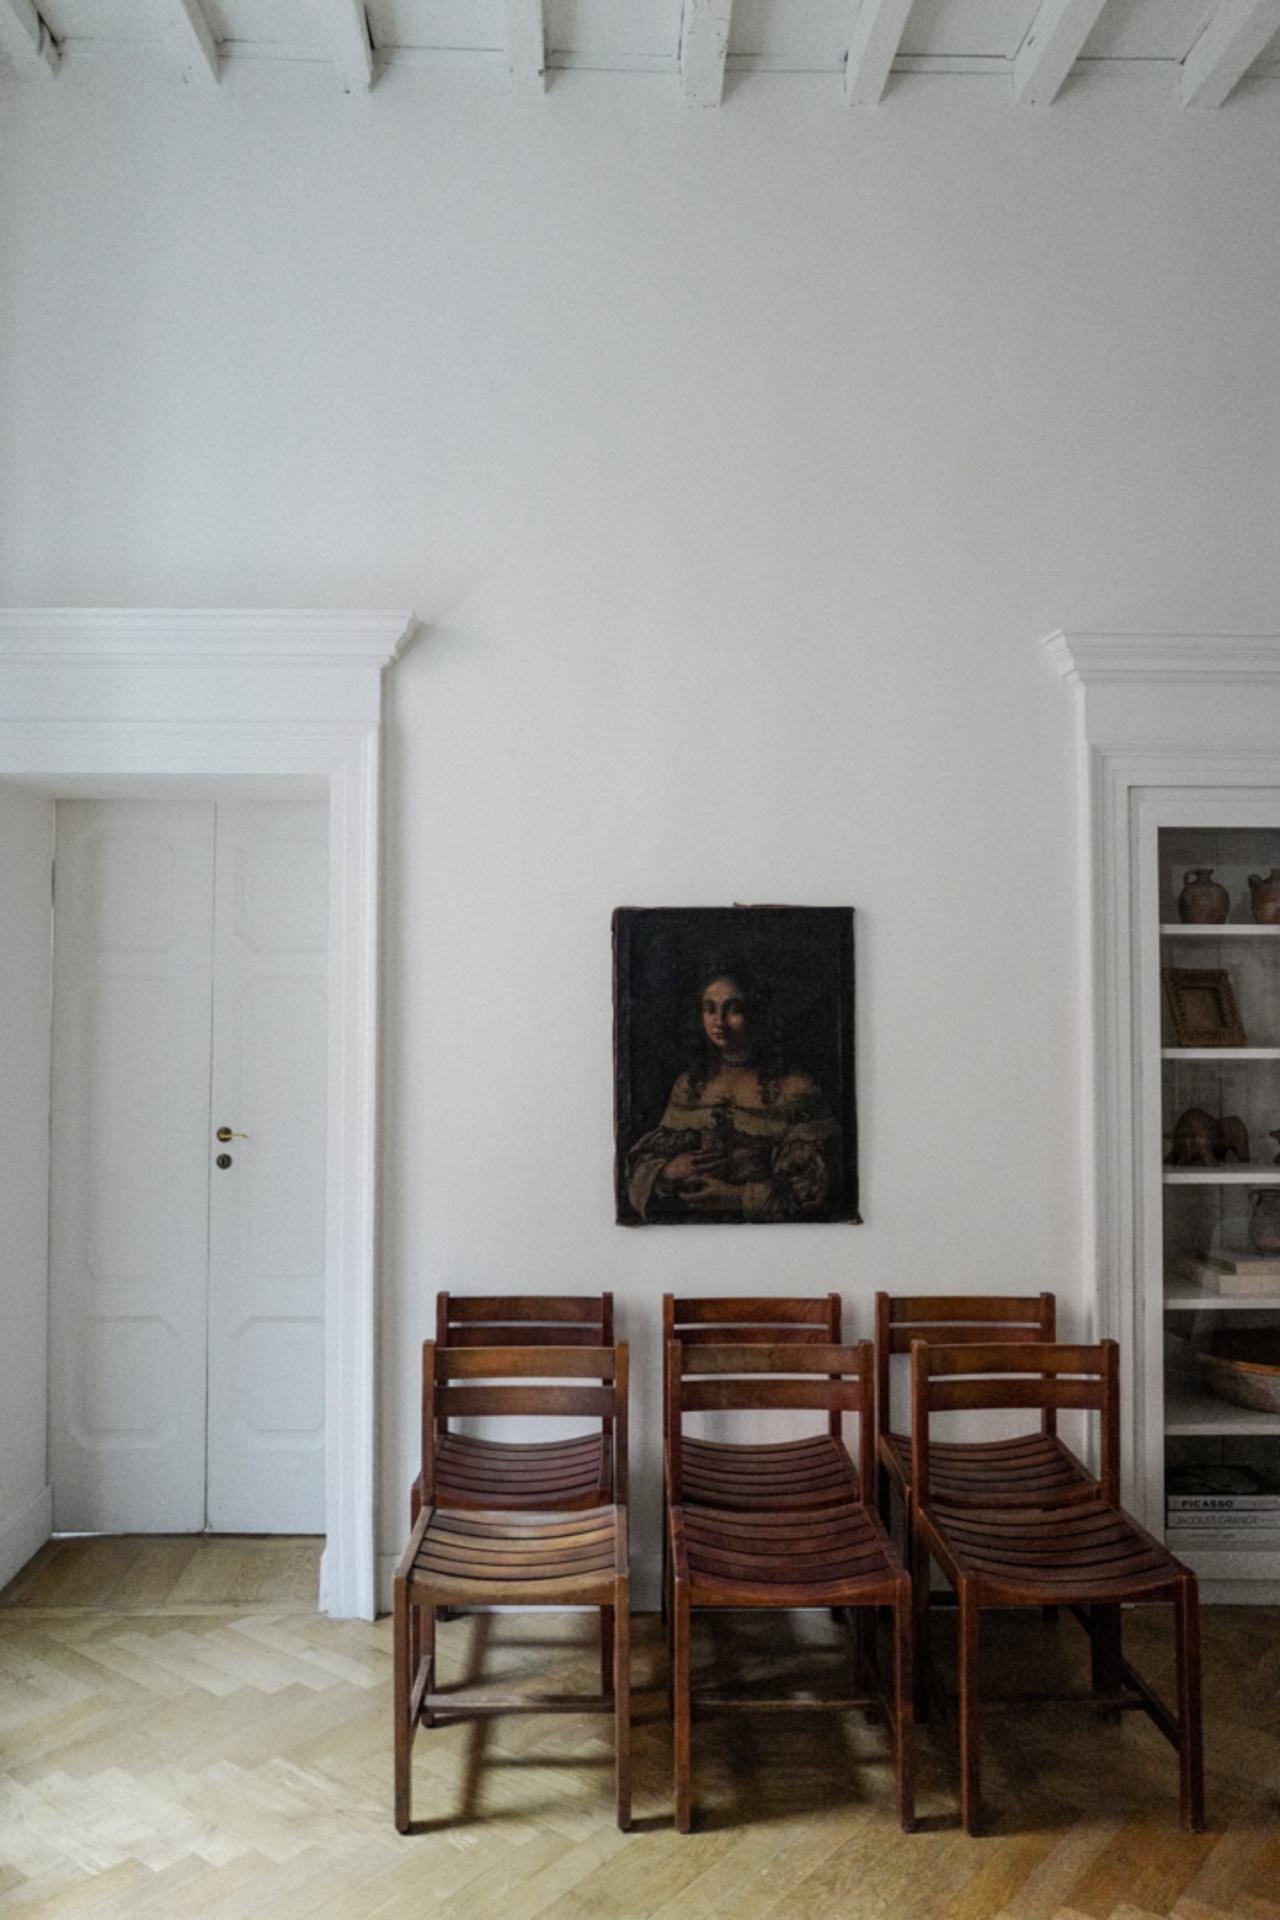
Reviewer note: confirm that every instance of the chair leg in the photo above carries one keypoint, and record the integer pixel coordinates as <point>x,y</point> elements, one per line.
<point>1190,1737</point>
<point>622,1699</point>
<point>921,1659</point>
<point>401,1688</point>
<point>904,1749</point>
<point>1105,1654</point>
<point>664,1600</point>
<point>606,1651</point>
<point>683,1714</point>
<point>854,1620</point>
<point>970,1709</point>
<point>426,1654</point>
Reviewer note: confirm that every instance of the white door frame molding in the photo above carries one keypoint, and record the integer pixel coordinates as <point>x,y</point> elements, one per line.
<point>1166,712</point>
<point>130,699</point>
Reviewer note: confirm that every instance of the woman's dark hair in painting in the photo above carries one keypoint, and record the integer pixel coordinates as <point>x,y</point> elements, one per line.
<point>762,1027</point>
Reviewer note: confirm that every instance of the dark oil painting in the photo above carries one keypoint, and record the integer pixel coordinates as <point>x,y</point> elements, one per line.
<point>733,1065</point>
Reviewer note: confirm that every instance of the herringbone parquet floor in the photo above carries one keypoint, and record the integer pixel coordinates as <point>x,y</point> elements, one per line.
<point>211,1747</point>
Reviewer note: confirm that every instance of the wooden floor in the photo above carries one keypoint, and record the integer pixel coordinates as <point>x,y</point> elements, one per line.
<point>209,1746</point>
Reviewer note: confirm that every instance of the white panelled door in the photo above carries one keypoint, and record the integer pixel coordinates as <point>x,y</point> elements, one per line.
<point>186,1299</point>
<point>266,1210</point>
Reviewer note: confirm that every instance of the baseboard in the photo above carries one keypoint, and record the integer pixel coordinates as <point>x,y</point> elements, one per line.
<point>25,1534</point>
<point>646,1581</point>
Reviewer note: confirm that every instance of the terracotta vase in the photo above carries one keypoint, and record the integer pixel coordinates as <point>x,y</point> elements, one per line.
<point>1264,897</point>
<point>1205,903</point>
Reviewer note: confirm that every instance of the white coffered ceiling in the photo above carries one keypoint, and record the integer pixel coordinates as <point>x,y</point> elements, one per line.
<point>859,52</point>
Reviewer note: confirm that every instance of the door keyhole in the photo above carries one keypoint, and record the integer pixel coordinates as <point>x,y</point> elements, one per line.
<point>223,1161</point>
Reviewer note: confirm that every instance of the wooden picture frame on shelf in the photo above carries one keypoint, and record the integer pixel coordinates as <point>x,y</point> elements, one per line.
<point>1202,1002</point>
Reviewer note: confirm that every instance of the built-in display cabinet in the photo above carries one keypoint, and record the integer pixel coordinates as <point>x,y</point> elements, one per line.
<point>1179,764</point>
<point>1220,1197</point>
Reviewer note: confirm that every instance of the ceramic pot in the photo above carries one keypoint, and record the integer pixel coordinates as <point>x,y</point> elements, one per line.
<point>1264,1219</point>
<point>1264,897</point>
<point>1203,902</point>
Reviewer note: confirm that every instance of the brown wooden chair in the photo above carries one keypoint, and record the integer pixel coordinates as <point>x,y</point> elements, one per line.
<point>788,1555</point>
<point>514,1557</point>
<point>753,1475</point>
<point>554,1474</point>
<point>1026,1467</point>
<point>1061,1550</point>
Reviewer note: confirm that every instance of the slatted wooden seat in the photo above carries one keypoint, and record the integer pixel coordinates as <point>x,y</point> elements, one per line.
<point>533,1475</point>
<point>750,1474</point>
<point>1029,1467</point>
<point>1083,1552</point>
<point>466,1556</point>
<point>834,1556</point>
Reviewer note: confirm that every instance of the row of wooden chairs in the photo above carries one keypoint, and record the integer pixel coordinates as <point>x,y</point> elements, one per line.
<point>782,1524</point>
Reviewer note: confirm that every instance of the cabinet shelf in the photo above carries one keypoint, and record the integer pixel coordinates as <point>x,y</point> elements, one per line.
<point>1187,1410</point>
<point>1221,1055</point>
<point>1225,930</point>
<point>1233,1556</point>
<point>1233,1176</point>
<point>1184,1296</point>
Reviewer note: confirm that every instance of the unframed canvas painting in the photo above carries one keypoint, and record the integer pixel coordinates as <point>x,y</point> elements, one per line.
<point>733,1065</point>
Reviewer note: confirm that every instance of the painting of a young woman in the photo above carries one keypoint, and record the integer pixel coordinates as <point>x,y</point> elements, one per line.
<point>748,1131</point>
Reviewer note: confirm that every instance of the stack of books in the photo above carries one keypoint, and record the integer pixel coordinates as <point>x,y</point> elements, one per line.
<point>1222,1506</point>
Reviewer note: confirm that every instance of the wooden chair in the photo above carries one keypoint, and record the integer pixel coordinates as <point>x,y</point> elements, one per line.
<point>533,1475</point>
<point>1061,1550</point>
<point>472,1557</point>
<point>1025,1468</point>
<point>788,1555</point>
<point>745,1474</point>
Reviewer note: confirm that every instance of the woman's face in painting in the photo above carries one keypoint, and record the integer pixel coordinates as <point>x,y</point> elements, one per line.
<point>724,1018</point>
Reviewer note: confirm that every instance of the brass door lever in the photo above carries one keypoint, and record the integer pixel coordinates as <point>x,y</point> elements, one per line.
<point>225,1133</point>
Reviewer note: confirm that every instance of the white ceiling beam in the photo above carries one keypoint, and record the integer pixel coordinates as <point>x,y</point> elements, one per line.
<point>1225,51</point>
<point>351,42</point>
<point>526,46</point>
<point>874,39</point>
<point>1051,48</point>
<point>190,37</point>
<point>26,39</point>
<point>704,43</point>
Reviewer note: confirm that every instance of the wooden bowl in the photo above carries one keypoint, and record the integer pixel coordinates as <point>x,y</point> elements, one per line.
<point>1242,1364</point>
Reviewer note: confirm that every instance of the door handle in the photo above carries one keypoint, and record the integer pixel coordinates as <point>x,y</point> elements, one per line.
<point>225,1133</point>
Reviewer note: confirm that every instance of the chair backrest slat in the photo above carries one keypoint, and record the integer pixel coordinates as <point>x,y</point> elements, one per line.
<point>947,1396</point>
<point>1005,1356</point>
<point>994,1308</point>
<point>688,1312</point>
<point>954,1320</point>
<point>495,1333</point>
<point>589,1309</point>
<point>567,1402</point>
<point>530,1363</point>
<point>743,1396</point>
<point>813,1357</point>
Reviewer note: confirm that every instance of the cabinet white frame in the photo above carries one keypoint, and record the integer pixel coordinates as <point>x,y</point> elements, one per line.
<point>1153,810</point>
<point>138,701</point>
<point>1165,721</point>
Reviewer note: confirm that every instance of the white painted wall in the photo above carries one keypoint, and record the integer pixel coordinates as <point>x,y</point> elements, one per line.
<point>26,849</point>
<point>736,461</point>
